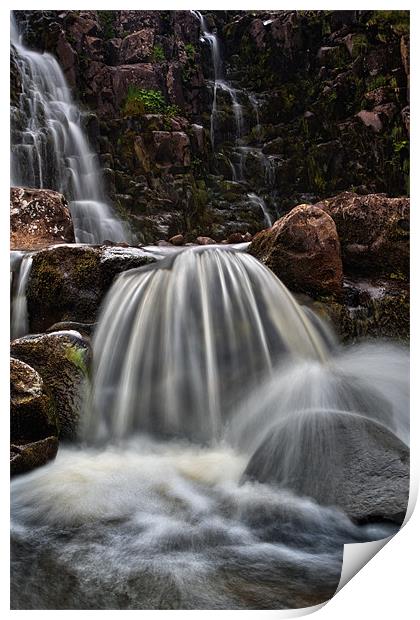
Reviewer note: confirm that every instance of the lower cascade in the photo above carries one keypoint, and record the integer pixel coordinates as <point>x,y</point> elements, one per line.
<point>221,424</point>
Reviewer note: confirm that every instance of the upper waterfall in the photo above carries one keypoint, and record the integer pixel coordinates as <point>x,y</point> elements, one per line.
<point>50,149</point>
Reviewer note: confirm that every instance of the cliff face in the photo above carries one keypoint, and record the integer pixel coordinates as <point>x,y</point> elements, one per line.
<point>308,103</point>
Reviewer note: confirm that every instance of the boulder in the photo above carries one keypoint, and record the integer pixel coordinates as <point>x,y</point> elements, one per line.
<point>32,410</point>
<point>302,248</point>
<point>205,241</point>
<point>62,361</point>
<point>343,460</point>
<point>374,232</point>
<point>27,456</point>
<point>177,240</point>
<point>38,218</point>
<point>370,119</point>
<point>68,283</point>
<point>137,47</point>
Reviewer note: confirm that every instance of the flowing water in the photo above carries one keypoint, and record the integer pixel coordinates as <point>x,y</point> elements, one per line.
<point>240,149</point>
<point>50,149</point>
<point>20,269</point>
<point>195,359</point>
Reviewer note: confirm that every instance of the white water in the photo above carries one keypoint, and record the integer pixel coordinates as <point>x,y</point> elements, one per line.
<point>50,149</point>
<point>208,346</point>
<point>240,150</point>
<point>190,334</point>
<point>20,269</point>
<point>261,204</point>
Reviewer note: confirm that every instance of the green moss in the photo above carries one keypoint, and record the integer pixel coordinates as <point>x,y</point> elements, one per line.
<point>141,101</point>
<point>158,55</point>
<point>385,22</point>
<point>77,357</point>
<point>107,21</point>
<point>190,51</point>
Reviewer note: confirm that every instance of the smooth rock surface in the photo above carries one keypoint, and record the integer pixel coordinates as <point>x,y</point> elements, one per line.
<point>303,250</point>
<point>342,460</point>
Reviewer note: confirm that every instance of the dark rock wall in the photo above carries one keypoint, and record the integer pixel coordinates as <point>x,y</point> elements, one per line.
<point>331,88</point>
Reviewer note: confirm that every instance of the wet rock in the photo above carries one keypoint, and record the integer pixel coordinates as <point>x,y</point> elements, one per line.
<point>32,410</point>
<point>205,241</point>
<point>177,240</point>
<point>62,360</point>
<point>374,232</point>
<point>303,250</point>
<point>68,283</point>
<point>342,460</point>
<point>27,456</point>
<point>38,218</point>
<point>85,329</point>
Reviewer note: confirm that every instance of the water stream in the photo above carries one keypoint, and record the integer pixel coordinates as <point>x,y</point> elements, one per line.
<point>240,149</point>
<point>50,148</point>
<point>195,359</point>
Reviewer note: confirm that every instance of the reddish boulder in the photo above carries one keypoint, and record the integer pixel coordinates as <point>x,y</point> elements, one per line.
<point>38,218</point>
<point>177,240</point>
<point>205,241</point>
<point>374,232</point>
<point>26,456</point>
<point>137,47</point>
<point>303,250</point>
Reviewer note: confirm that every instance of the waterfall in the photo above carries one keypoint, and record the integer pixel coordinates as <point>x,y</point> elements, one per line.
<point>50,149</point>
<point>20,268</point>
<point>261,204</point>
<point>196,359</point>
<point>190,334</point>
<point>221,84</point>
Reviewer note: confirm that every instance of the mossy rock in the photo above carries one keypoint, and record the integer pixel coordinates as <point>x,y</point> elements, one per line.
<point>32,409</point>
<point>62,360</point>
<point>68,283</point>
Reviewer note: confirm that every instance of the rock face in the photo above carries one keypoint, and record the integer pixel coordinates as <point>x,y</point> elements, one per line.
<point>374,232</point>
<point>32,410</point>
<point>323,98</point>
<point>68,283</point>
<point>38,218</point>
<point>303,250</point>
<point>339,460</point>
<point>61,359</point>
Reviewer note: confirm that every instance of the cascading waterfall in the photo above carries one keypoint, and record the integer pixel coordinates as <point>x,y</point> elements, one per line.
<point>191,332</point>
<point>195,359</point>
<point>20,269</point>
<point>241,150</point>
<point>261,203</point>
<point>50,149</point>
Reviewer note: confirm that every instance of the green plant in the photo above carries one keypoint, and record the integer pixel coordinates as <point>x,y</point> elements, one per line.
<point>143,101</point>
<point>158,55</point>
<point>387,21</point>
<point>107,21</point>
<point>190,51</point>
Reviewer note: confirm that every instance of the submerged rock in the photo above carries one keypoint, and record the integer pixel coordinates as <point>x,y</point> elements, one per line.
<point>32,410</point>
<point>38,218</point>
<point>374,232</point>
<point>68,283</point>
<point>303,250</point>
<point>27,456</point>
<point>343,460</point>
<point>62,360</point>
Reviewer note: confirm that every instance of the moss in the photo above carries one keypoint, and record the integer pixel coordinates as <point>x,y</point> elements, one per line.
<point>158,55</point>
<point>77,357</point>
<point>139,101</point>
<point>387,22</point>
<point>107,21</point>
